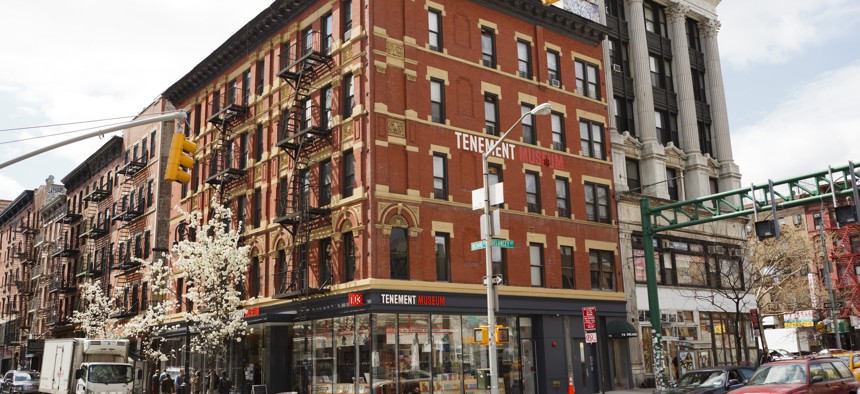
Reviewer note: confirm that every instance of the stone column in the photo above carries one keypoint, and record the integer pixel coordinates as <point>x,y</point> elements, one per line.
<point>652,162</point>
<point>696,169</point>
<point>730,177</point>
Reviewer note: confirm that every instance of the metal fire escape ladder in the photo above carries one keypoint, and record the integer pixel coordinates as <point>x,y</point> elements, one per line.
<point>301,135</point>
<point>227,114</point>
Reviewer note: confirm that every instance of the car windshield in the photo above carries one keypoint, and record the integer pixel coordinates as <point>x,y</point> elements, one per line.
<point>702,378</point>
<point>24,376</point>
<point>110,373</point>
<point>779,374</point>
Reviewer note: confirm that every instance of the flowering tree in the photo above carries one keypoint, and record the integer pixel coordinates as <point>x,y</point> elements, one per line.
<point>214,265</point>
<point>148,326</point>
<point>95,319</point>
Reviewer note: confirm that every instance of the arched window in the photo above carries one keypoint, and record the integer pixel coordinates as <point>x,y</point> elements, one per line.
<point>254,277</point>
<point>281,272</point>
<point>399,253</point>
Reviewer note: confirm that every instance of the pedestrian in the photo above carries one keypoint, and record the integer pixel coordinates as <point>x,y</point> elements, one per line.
<point>166,384</point>
<point>179,383</point>
<point>153,382</point>
<point>765,356</point>
<point>211,382</point>
<point>224,385</point>
<point>195,382</point>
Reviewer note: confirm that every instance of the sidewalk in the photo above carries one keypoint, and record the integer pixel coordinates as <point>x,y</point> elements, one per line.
<point>631,391</point>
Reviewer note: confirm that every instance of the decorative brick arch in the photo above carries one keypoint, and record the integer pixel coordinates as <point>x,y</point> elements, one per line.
<point>399,215</point>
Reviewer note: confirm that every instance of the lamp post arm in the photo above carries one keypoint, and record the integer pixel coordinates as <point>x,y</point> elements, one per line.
<point>501,139</point>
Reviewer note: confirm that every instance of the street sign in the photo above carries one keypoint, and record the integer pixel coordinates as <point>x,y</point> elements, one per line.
<point>497,243</point>
<point>495,221</point>
<point>588,320</point>
<point>496,196</point>
<point>837,304</point>
<point>754,317</point>
<point>591,337</point>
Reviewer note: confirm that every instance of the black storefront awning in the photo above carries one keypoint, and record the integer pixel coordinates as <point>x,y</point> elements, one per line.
<point>620,329</point>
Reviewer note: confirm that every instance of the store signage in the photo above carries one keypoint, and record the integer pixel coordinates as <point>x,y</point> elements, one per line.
<point>588,320</point>
<point>409,299</point>
<point>754,317</point>
<point>250,312</point>
<point>355,299</point>
<point>799,319</point>
<point>479,144</point>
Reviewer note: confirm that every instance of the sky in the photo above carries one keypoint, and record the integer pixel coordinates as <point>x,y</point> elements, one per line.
<point>791,70</point>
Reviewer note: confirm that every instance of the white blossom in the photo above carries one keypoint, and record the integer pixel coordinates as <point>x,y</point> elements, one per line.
<point>148,326</point>
<point>95,319</point>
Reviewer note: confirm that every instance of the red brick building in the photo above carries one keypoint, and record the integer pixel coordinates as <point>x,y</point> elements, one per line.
<point>346,135</point>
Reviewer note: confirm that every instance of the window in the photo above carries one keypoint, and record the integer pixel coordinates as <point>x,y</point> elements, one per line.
<point>553,68</point>
<point>536,262</point>
<point>705,144</point>
<point>307,41</point>
<point>216,102</point>
<point>443,266</point>
<point>325,262</point>
<point>699,91</point>
<point>672,183</point>
<point>232,90</point>
<point>243,150</point>
<point>602,269</point>
<point>435,28</point>
<point>437,100</point>
<point>325,183</point>
<point>258,207</point>
<point>246,87</point>
<point>597,203</point>
<point>304,189</point>
<point>558,142</point>
<point>399,253</point>
<point>591,139</point>
<point>254,277</point>
<point>281,283</point>
<point>524,59</point>
<point>144,147</point>
<point>327,38</point>
<point>258,144</point>
<point>491,114</point>
<point>667,128</point>
<point>241,212</point>
<point>568,278</point>
<point>306,115</point>
<point>532,192</point>
<point>150,185</point>
<point>348,173</point>
<point>147,243</point>
<point>346,19</point>
<point>488,47</point>
<point>562,201</point>
<point>440,176</point>
<point>634,184</point>
<point>587,80</point>
<point>326,96</point>
<point>500,266</point>
<point>624,115</point>
<point>348,257</point>
<point>261,75</point>
<point>348,96</point>
<point>529,133</point>
<point>655,19</point>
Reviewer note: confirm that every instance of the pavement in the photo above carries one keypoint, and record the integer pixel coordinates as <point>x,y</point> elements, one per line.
<point>631,391</point>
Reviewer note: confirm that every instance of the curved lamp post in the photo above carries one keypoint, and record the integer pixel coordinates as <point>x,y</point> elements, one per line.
<point>543,109</point>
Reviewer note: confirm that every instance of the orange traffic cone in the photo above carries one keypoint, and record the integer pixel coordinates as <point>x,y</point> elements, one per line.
<point>570,389</point>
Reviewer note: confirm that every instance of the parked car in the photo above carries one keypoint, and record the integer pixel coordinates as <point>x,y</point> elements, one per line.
<point>20,381</point>
<point>714,380</point>
<point>852,360</point>
<point>806,375</point>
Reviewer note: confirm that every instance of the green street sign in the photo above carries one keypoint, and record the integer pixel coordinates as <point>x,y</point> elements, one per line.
<point>498,243</point>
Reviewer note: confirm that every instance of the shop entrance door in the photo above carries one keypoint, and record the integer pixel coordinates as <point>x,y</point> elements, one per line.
<point>584,367</point>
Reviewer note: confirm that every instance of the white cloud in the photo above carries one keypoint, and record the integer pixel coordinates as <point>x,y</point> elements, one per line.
<point>9,188</point>
<point>775,31</point>
<point>817,125</point>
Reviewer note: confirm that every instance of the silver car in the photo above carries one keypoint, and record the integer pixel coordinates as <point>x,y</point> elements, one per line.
<point>19,381</point>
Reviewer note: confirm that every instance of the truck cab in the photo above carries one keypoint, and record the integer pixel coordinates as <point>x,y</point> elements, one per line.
<point>104,377</point>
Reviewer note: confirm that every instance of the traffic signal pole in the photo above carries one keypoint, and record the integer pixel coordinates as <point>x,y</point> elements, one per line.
<point>176,115</point>
<point>791,192</point>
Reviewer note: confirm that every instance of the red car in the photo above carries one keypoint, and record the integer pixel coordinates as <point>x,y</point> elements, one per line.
<point>809,375</point>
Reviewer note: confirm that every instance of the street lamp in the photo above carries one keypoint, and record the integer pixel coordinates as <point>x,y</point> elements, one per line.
<point>543,109</point>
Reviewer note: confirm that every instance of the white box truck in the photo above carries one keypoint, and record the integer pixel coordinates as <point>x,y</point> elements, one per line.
<point>793,340</point>
<point>86,366</point>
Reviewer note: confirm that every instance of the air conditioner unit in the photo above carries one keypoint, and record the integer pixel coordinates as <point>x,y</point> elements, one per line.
<point>555,83</point>
<point>735,253</point>
<point>616,68</point>
<point>490,129</point>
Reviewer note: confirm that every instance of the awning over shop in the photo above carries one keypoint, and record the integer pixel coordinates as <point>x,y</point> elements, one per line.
<point>620,329</point>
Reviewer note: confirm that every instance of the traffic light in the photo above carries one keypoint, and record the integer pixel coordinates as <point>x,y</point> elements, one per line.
<point>503,335</point>
<point>180,158</point>
<point>480,335</point>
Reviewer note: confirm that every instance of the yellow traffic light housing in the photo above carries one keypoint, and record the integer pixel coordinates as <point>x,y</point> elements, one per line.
<point>180,158</point>
<point>481,335</point>
<point>503,335</point>
<point>548,2</point>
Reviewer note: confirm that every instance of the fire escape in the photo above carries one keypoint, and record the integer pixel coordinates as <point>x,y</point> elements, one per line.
<point>58,275</point>
<point>225,165</point>
<point>845,254</point>
<point>130,206</point>
<point>303,131</point>
<point>25,254</point>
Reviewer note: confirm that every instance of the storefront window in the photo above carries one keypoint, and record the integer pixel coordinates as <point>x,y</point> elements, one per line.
<point>414,348</point>
<point>344,340</point>
<point>447,347</point>
<point>323,356</point>
<point>302,357</point>
<point>384,355</point>
<point>476,366</point>
<point>364,352</point>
